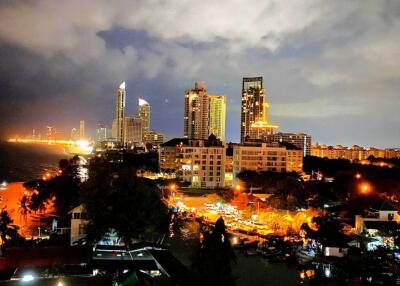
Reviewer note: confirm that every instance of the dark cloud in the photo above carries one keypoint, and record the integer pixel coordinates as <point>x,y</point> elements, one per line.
<point>331,68</point>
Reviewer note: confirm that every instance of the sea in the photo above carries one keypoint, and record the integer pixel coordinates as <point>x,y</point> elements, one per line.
<point>21,162</point>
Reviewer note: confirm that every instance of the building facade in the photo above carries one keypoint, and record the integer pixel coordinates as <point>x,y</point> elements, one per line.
<point>353,153</point>
<point>118,123</point>
<point>78,224</point>
<point>199,162</point>
<point>101,132</point>
<point>259,156</point>
<point>82,129</point>
<point>217,116</point>
<point>300,140</point>
<point>144,114</point>
<point>74,134</point>
<point>170,154</point>
<point>196,113</point>
<point>254,122</point>
<point>153,138</point>
<point>133,130</point>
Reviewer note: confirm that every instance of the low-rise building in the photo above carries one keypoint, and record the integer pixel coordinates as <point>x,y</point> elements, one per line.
<point>170,154</point>
<point>78,224</point>
<point>300,140</point>
<point>260,156</point>
<point>353,153</point>
<point>380,225</point>
<point>153,138</point>
<point>199,162</point>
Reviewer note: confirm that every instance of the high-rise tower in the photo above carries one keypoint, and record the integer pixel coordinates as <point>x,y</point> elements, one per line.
<point>118,124</point>
<point>254,122</point>
<point>82,129</point>
<point>144,114</point>
<point>101,132</point>
<point>217,111</point>
<point>196,114</point>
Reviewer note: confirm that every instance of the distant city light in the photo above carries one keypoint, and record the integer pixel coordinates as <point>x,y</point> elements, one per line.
<point>27,278</point>
<point>235,240</point>
<point>84,145</point>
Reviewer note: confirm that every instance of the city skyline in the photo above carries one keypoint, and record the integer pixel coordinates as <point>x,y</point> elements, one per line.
<point>335,78</point>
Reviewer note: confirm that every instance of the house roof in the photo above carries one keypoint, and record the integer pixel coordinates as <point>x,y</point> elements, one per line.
<point>45,256</point>
<point>175,141</point>
<point>382,205</point>
<point>288,146</point>
<point>381,225</point>
<point>387,206</point>
<point>79,208</point>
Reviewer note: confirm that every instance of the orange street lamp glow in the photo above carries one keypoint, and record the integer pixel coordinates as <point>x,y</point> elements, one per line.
<point>365,188</point>
<point>172,187</point>
<point>237,187</point>
<point>358,176</point>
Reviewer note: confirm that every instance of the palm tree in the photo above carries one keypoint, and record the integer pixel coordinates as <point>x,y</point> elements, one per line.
<point>24,209</point>
<point>8,231</point>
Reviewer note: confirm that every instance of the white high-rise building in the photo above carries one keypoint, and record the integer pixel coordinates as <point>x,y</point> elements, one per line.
<point>144,114</point>
<point>118,124</point>
<point>82,129</point>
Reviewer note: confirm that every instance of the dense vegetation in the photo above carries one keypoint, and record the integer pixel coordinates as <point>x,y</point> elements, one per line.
<point>114,197</point>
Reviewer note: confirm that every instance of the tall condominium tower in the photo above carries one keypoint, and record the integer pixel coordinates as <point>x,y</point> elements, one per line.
<point>254,116</point>
<point>74,134</point>
<point>217,116</point>
<point>82,129</point>
<point>196,114</point>
<point>144,114</point>
<point>118,124</point>
<point>101,132</point>
<point>133,130</point>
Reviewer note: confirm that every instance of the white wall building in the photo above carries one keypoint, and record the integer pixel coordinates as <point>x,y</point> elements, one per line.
<point>78,224</point>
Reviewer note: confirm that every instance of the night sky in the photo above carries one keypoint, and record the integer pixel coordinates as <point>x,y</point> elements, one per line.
<point>330,68</point>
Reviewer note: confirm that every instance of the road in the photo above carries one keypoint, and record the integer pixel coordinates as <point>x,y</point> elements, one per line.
<point>262,220</point>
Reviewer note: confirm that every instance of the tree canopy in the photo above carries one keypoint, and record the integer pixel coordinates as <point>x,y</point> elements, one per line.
<point>119,200</point>
<point>215,257</point>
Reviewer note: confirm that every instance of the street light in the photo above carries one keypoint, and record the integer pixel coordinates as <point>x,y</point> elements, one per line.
<point>172,188</point>
<point>236,190</point>
<point>365,188</point>
<point>358,176</point>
